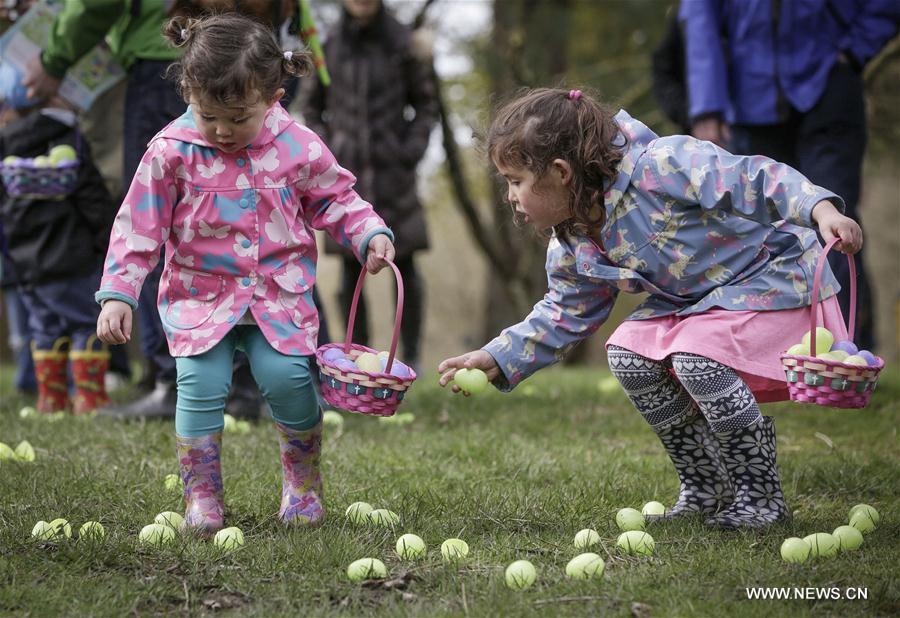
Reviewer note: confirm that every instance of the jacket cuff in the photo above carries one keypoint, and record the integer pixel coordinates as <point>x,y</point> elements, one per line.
<point>804,211</point>
<point>55,67</point>
<point>103,295</point>
<point>508,379</point>
<point>364,245</point>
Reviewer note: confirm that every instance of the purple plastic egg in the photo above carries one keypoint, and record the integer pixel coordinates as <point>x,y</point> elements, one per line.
<point>345,364</point>
<point>400,370</point>
<point>870,358</point>
<point>847,346</point>
<point>333,354</point>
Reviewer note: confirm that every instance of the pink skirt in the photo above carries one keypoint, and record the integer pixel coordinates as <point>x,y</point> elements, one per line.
<point>750,342</point>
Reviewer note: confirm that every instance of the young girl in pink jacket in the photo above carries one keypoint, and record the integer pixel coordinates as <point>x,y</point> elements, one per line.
<point>233,190</point>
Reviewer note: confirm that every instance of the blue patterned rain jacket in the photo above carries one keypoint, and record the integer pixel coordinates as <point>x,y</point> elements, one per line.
<point>687,222</point>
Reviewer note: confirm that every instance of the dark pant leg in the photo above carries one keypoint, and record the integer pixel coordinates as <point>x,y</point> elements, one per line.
<point>63,308</point>
<point>349,275</point>
<point>413,303</point>
<point>151,102</point>
<point>19,339</point>
<point>831,142</point>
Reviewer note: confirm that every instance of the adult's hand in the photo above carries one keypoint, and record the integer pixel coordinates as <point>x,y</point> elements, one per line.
<point>40,84</point>
<point>712,129</point>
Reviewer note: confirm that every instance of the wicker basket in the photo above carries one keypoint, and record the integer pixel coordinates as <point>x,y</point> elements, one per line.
<point>827,382</point>
<point>378,394</point>
<point>23,179</point>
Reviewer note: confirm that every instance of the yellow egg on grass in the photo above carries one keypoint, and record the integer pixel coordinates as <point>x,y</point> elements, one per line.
<point>520,575</point>
<point>230,423</point>
<point>229,538</point>
<point>585,538</point>
<point>848,538</point>
<point>863,521</point>
<point>585,566</point>
<point>358,512</point>
<point>42,531</point>
<point>630,519</point>
<point>636,542</point>
<point>366,568</point>
<point>6,453</point>
<point>795,550</point>
<point>24,451</point>
<point>27,412</point>
<point>384,517</point>
<point>156,535</point>
<point>169,518</point>
<point>92,530</point>
<point>172,482</point>
<point>822,544</point>
<point>242,427</point>
<point>410,547</point>
<point>331,418</point>
<point>454,549</point>
<point>875,515</point>
<point>653,508</point>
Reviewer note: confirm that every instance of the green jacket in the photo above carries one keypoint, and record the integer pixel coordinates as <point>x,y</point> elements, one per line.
<point>82,24</point>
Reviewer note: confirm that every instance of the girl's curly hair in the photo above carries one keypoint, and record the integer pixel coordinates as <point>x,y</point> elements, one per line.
<point>228,56</point>
<point>543,124</point>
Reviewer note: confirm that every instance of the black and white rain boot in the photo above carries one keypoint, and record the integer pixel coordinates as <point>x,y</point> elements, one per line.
<point>694,451</point>
<point>686,435</point>
<point>749,456</point>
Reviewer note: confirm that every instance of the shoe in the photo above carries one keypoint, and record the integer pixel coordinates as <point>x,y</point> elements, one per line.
<point>201,471</point>
<point>89,375</point>
<point>158,403</point>
<point>694,451</point>
<point>51,369</point>
<point>301,489</point>
<point>749,457</point>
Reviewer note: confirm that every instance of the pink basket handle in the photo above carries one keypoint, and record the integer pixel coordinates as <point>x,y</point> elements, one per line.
<point>817,279</point>
<point>397,319</point>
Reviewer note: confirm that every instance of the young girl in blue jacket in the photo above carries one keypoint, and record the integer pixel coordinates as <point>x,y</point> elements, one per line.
<point>724,245</point>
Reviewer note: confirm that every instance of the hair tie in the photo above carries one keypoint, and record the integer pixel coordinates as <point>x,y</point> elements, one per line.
<point>184,33</point>
<point>288,55</point>
<point>574,95</point>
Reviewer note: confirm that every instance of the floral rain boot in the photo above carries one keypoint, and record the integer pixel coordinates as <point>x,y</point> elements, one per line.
<point>89,374</point>
<point>749,456</point>
<point>694,451</point>
<point>51,371</point>
<point>201,471</point>
<point>301,489</point>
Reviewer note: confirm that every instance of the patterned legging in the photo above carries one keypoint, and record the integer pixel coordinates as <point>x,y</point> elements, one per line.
<point>664,400</point>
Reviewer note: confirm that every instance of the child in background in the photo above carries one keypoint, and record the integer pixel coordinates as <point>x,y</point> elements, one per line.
<point>55,245</point>
<point>234,189</point>
<point>725,247</point>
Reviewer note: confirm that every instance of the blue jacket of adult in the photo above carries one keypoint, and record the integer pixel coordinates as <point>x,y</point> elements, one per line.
<point>745,58</point>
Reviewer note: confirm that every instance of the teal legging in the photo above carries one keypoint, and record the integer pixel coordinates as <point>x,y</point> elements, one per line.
<point>287,383</point>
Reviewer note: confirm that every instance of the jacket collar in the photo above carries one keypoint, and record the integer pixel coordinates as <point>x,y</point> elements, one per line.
<point>634,135</point>
<point>184,128</point>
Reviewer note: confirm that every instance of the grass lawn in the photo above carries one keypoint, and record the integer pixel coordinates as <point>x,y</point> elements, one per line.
<point>514,475</point>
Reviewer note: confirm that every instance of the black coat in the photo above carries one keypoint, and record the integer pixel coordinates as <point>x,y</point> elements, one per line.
<point>49,240</point>
<point>365,118</point>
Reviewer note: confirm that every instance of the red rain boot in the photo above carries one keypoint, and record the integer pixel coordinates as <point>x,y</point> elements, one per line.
<point>51,372</point>
<point>89,374</point>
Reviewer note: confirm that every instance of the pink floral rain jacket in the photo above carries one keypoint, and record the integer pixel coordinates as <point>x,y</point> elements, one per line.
<point>238,232</point>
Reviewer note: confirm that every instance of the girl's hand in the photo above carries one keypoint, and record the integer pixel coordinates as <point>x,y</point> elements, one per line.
<point>832,224</point>
<point>380,250</point>
<point>477,359</point>
<point>114,323</point>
